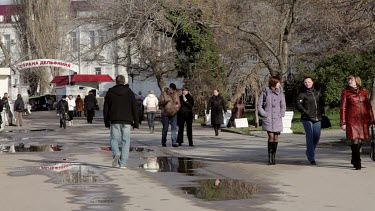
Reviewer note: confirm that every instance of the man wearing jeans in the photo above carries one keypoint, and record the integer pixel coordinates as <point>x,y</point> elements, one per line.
<point>120,112</point>
<point>170,105</point>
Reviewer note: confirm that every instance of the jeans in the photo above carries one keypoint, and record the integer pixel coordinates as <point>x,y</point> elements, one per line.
<point>165,120</point>
<point>312,130</point>
<point>9,116</point>
<point>151,119</point>
<point>120,133</point>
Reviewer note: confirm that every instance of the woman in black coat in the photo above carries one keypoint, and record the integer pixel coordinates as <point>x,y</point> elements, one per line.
<point>217,105</point>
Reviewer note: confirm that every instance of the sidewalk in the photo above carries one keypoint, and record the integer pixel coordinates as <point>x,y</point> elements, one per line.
<point>292,184</point>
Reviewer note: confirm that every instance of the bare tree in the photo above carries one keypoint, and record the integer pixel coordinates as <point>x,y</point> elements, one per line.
<point>41,24</point>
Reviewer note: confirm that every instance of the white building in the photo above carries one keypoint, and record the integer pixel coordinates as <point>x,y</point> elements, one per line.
<point>78,40</point>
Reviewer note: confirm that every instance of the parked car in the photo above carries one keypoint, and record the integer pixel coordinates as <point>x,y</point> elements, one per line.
<point>42,103</point>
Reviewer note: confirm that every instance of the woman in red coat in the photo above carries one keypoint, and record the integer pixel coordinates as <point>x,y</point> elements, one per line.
<point>355,116</point>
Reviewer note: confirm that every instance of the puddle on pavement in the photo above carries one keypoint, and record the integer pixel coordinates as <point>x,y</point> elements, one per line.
<point>30,131</point>
<point>86,183</point>
<point>131,149</point>
<point>173,164</point>
<point>222,189</point>
<point>32,148</point>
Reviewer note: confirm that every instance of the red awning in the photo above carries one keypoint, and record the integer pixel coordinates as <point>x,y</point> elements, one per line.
<point>64,79</point>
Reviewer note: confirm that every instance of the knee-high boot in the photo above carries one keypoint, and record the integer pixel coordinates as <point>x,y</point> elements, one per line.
<point>356,157</point>
<point>270,152</point>
<point>353,155</point>
<point>274,153</point>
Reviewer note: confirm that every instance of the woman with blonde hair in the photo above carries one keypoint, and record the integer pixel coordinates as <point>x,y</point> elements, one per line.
<point>355,116</point>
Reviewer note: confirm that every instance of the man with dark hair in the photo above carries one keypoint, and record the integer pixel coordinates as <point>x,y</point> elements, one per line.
<point>90,105</point>
<point>170,105</point>
<point>120,112</point>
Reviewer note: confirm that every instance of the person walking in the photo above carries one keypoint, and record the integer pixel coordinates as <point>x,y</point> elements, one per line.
<point>8,111</point>
<point>151,104</point>
<point>170,105</point>
<point>120,112</point>
<point>79,106</point>
<point>217,105</point>
<point>90,103</point>
<point>356,116</point>
<point>311,106</point>
<point>237,112</point>
<point>272,107</point>
<point>71,105</point>
<point>185,114</point>
<point>62,110</point>
<point>140,108</point>
<point>19,108</point>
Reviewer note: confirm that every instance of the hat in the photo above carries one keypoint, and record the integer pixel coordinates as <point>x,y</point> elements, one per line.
<point>64,96</point>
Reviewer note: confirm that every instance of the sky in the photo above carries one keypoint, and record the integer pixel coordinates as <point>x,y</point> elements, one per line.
<point>6,2</point>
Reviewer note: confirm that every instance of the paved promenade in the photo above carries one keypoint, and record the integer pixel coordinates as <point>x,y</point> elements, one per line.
<point>71,170</point>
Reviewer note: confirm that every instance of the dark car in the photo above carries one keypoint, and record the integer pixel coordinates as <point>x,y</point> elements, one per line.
<point>42,103</point>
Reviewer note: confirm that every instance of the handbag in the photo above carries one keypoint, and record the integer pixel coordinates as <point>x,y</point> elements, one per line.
<point>325,123</point>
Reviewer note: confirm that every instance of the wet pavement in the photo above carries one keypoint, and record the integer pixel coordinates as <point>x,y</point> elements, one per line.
<point>41,163</point>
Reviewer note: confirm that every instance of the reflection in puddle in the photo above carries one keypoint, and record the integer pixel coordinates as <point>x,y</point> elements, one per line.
<point>86,184</point>
<point>22,148</point>
<point>222,189</point>
<point>172,164</point>
<point>29,131</point>
<point>131,149</point>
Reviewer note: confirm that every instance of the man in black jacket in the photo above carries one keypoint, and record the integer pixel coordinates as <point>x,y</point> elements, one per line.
<point>90,105</point>
<point>120,112</point>
<point>62,110</point>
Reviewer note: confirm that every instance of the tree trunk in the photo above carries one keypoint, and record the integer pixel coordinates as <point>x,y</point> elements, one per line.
<point>256,116</point>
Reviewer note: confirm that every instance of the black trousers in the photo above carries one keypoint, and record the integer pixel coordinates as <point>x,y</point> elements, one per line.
<point>90,115</point>
<point>181,119</point>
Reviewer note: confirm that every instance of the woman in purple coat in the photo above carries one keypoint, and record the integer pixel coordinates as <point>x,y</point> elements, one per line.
<point>271,106</point>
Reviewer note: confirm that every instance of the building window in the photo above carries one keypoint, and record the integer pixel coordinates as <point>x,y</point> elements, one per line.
<point>1,18</point>
<point>92,39</point>
<point>101,36</point>
<point>7,41</point>
<point>74,41</point>
<point>254,59</point>
<point>98,70</point>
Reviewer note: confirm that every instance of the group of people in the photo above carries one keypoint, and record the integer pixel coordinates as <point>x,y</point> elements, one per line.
<point>68,108</point>
<point>121,112</point>
<point>19,109</point>
<point>356,115</point>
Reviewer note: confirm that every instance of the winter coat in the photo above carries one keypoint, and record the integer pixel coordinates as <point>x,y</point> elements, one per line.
<point>19,105</point>
<point>217,105</point>
<point>310,104</point>
<point>79,104</point>
<point>6,104</point>
<point>62,107</point>
<point>272,110</point>
<point>90,102</point>
<point>71,104</point>
<point>356,113</point>
<point>170,103</point>
<point>186,110</point>
<point>151,103</point>
<point>120,106</point>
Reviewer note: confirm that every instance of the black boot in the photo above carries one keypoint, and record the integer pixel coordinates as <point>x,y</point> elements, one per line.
<point>356,157</point>
<point>270,153</point>
<point>274,153</point>
<point>353,155</point>
<point>216,130</point>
